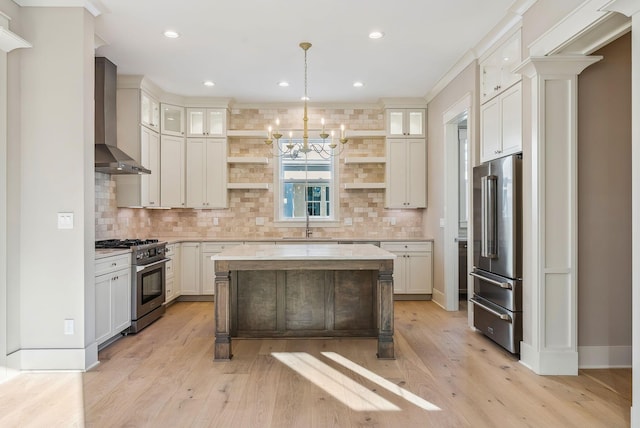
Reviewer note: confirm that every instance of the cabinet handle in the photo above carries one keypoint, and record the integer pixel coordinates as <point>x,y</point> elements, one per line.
<point>114,264</point>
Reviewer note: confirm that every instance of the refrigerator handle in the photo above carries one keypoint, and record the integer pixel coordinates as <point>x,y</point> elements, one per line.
<point>489,229</point>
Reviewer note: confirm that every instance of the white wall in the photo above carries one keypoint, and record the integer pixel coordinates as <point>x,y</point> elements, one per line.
<point>51,270</point>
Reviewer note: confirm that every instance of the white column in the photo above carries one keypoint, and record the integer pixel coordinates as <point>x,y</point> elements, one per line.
<point>8,42</point>
<point>550,300</point>
<point>631,8</point>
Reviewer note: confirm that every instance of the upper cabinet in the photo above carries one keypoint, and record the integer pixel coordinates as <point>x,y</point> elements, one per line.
<point>172,120</point>
<point>149,111</point>
<point>406,173</point>
<point>496,69</point>
<point>206,122</point>
<point>501,125</point>
<point>406,122</point>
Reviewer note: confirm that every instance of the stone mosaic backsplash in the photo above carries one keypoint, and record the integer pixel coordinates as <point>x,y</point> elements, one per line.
<point>363,207</point>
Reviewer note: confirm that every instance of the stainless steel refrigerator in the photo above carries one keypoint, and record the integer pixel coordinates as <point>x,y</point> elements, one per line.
<point>497,251</point>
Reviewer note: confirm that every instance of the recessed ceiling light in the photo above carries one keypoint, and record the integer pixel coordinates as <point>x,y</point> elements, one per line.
<point>358,84</point>
<point>283,84</point>
<point>208,83</point>
<point>376,35</point>
<point>171,34</point>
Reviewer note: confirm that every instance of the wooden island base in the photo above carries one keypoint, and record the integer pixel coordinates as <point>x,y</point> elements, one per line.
<point>270,291</point>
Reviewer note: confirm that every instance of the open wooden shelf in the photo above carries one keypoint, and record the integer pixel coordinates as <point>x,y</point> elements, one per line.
<point>349,186</point>
<point>248,186</point>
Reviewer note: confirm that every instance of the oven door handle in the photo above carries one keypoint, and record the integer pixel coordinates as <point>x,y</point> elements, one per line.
<point>492,281</point>
<point>141,268</point>
<point>504,317</point>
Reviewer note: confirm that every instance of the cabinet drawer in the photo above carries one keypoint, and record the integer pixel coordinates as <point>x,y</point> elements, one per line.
<point>171,250</point>
<point>169,269</point>
<point>394,247</point>
<point>112,264</point>
<point>216,247</point>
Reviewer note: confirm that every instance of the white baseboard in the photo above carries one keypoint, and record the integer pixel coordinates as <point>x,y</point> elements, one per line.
<point>55,359</point>
<point>604,357</point>
<point>439,298</point>
<point>549,362</point>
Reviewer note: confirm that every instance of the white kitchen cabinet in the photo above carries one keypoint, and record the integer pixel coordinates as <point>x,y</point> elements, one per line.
<point>149,111</point>
<point>112,297</point>
<point>406,173</point>
<point>206,122</point>
<point>172,272</point>
<point>406,122</point>
<point>150,153</point>
<point>141,190</point>
<point>172,172</point>
<point>207,173</point>
<point>172,120</point>
<point>208,266</point>
<point>413,267</point>
<point>190,268</point>
<point>496,67</point>
<point>501,125</point>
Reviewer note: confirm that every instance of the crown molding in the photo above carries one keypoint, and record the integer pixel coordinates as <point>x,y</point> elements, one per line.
<point>95,7</point>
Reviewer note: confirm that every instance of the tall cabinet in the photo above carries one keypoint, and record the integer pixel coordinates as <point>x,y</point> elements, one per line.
<point>406,166</point>
<point>501,98</point>
<point>206,159</point>
<point>137,130</point>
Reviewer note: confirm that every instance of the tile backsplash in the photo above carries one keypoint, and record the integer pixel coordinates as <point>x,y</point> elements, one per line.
<point>362,211</point>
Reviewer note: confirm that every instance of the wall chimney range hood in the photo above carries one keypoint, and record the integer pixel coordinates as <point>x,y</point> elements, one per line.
<point>108,157</point>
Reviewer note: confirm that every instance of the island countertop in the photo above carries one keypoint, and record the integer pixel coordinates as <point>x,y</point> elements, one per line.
<point>304,252</point>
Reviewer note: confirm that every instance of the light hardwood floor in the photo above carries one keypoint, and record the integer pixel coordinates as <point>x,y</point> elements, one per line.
<point>165,377</point>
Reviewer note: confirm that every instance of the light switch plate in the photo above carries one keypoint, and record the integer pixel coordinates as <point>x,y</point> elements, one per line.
<point>65,220</point>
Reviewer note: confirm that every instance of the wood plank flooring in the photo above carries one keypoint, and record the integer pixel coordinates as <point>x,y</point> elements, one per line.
<point>165,377</point>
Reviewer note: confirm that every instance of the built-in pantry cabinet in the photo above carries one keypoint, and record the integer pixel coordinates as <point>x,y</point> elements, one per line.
<point>406,158</point>
<point>501,98</point>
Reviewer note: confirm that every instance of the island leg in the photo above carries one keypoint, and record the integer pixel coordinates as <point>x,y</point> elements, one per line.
<point>385,313</point>
<point>222,345</point>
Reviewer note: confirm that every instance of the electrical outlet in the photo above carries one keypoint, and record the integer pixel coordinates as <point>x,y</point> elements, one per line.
<point>65,220</point>
<point>69,326</point>
<point>215,221</point>
<point>259,221</point>
<point>392,220</point>
<point>348,221</point>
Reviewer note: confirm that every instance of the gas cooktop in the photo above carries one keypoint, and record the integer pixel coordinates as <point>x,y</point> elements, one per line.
<point>124,243</point>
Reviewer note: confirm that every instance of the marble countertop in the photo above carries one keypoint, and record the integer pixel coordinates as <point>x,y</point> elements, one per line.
<point>304,252</point>
<point>174,240</point>
<point>108,252</point>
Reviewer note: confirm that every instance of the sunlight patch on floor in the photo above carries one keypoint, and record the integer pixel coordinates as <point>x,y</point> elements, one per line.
<point>379,380</point>
<point>343,388</point>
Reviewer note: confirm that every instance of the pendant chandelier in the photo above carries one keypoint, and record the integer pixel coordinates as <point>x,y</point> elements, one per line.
<point>291,148</point>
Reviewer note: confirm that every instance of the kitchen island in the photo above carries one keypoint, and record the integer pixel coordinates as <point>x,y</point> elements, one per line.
<point>304,290</point>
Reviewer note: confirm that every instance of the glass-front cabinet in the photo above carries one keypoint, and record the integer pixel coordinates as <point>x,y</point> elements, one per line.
<point>406,122</point>
<point>172,120</point>
<point>206,122</point>
<point>149,111</point>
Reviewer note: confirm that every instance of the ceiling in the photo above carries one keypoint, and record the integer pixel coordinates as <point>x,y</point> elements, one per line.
<point>247,46</point>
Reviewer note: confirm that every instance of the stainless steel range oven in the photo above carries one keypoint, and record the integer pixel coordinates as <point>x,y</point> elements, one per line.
<point>148,279</point>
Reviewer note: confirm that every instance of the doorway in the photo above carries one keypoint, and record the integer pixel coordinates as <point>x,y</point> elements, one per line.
<point>456,121</point>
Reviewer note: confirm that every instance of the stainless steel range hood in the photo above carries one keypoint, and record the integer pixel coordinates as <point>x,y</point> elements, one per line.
<point>108,157</point>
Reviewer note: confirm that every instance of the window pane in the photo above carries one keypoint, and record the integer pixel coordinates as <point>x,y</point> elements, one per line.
<point>305,183</point>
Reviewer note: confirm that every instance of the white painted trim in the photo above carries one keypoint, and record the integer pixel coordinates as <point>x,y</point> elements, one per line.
<point>604,357</point>
<point>95,7</point>
<point>585,17</point>
<point>625,7</point>
<point>10,41</point>
<point>548,362</point>
<point>438,298</point>
<point>453,72</point>
<point>54,359</point>
<point>451,199</point>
